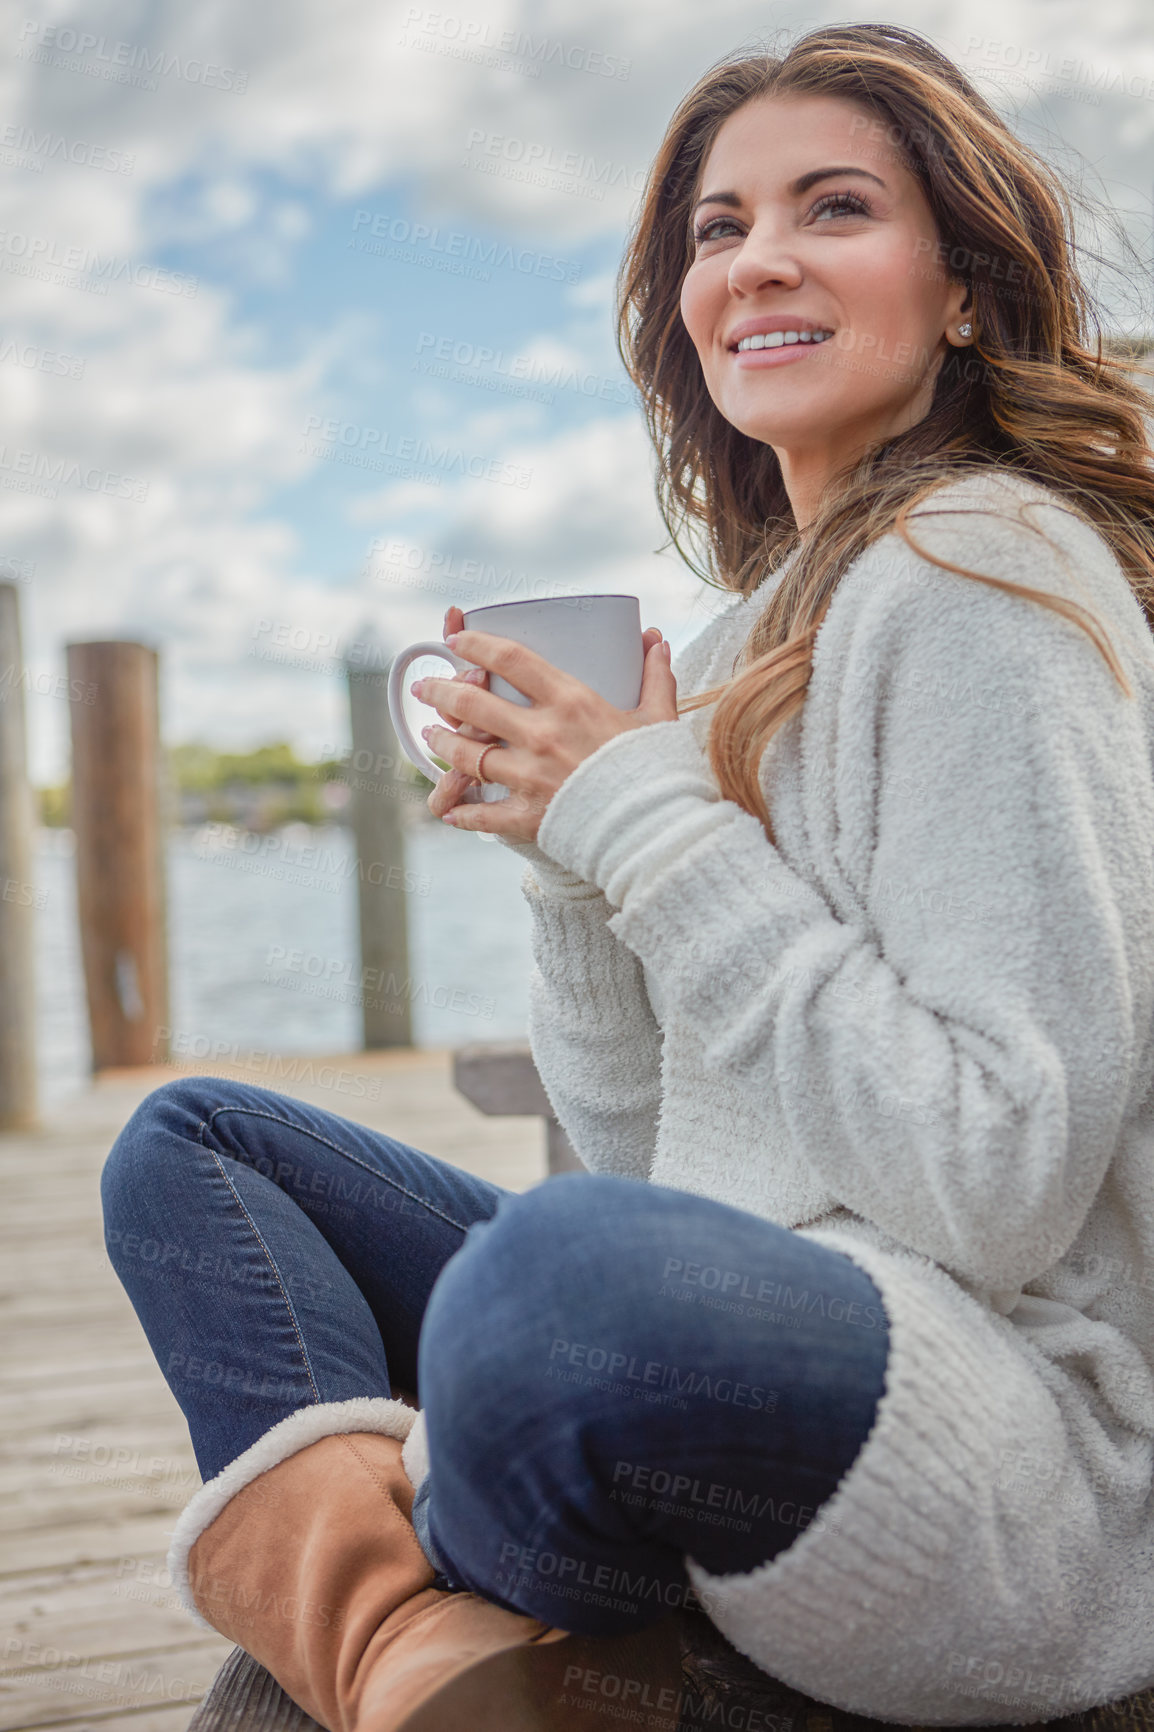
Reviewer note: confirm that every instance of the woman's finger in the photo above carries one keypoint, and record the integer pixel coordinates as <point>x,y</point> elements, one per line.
<point>451,721</point>
<point>451,788</point>
<point>454,621</point>
<point>448,792</point>
<point>473,677</point>
<point>467,728</point>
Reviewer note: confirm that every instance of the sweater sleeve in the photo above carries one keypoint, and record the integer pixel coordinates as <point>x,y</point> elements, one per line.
<point>592,1032</point>
<point>595,1039</point>
<point>947,1057</point>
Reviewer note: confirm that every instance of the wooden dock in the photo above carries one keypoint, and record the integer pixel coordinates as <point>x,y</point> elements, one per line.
<point>95,1460</point>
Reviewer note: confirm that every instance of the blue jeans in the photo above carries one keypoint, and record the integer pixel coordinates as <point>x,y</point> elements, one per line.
<point>615,1375</point>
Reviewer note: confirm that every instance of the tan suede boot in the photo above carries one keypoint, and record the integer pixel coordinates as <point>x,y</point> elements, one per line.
<point>302,1552</point>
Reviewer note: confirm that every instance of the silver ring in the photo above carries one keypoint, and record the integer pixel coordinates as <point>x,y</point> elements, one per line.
<point>477,773</point>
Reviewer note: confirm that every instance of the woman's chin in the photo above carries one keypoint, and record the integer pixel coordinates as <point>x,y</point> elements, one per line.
<point>783,433</point>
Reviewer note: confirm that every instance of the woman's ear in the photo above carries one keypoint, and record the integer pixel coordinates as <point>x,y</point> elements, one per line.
<point>958,306</point>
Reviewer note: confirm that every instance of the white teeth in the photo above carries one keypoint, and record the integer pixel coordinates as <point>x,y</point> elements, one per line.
<point>775,339</point>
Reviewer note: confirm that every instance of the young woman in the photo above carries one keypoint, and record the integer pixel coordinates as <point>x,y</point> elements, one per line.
<point>843,989</point>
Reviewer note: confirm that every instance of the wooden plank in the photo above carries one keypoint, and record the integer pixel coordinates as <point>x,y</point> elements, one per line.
<point>143,1719</point>
<point>91,1606</point>
<point>64,1507</point>
<point>145,1533</point>
<point>44,1681</point>
<point>142,1433</point>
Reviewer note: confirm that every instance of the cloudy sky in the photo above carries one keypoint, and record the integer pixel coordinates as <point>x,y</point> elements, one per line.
<point>307,313</point>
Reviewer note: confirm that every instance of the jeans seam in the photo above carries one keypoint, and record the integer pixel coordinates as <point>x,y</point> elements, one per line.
<point>307,1130</point>
<point>276,1272</point>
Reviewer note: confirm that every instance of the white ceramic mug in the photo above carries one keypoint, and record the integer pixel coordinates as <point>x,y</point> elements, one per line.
<point>596,638</point>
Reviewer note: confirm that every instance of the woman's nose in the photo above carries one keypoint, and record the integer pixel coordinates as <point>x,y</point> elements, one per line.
<point>763,258</point>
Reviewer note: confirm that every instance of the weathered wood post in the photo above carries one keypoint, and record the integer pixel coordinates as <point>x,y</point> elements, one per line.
<point>378,787</point>
<point>116,788</point>
<point>18,894</point>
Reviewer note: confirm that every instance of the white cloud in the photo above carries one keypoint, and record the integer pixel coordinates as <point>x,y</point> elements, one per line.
<point>176,392</point>
<point>588,524</point>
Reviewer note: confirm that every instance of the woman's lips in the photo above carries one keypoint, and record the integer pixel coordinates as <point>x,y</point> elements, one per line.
<point>779,357</point>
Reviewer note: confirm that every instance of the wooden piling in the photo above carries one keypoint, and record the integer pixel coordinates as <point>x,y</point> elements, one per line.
<point>378,785</point>
<point>120,880</point>
<point>19,895</point>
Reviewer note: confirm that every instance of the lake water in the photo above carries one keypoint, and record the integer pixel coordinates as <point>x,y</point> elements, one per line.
<point>263,951</point>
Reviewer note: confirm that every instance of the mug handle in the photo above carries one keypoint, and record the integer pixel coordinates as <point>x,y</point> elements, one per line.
<point>401,663</point>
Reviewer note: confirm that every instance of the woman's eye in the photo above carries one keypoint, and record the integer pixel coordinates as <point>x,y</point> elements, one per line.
<point>842,203</point>
<point>706,231</point>
<point>834,203</point>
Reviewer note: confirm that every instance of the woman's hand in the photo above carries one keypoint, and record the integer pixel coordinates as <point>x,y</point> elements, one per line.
<point>450,790</point>
<point>566,723</point>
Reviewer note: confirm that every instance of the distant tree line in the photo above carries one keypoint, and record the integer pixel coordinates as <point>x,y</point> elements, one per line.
<point>256,790</point>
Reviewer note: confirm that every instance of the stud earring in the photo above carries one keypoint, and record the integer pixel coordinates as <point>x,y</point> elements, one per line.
<point>964,330</point>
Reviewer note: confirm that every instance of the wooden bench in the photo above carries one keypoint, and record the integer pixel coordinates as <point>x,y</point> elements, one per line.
<point>721,1688</point>
<point>499,1076</point>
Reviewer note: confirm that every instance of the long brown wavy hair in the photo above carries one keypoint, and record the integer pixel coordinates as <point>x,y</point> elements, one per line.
<point>1028,395</point>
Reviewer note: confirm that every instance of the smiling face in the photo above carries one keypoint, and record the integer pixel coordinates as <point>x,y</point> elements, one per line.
<point>854,253</point>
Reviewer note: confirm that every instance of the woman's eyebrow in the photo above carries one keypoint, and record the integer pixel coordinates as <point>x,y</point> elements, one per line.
<point>796,187</point>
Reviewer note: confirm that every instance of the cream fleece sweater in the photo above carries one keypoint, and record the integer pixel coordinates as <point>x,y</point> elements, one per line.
<point>918,1030</point>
